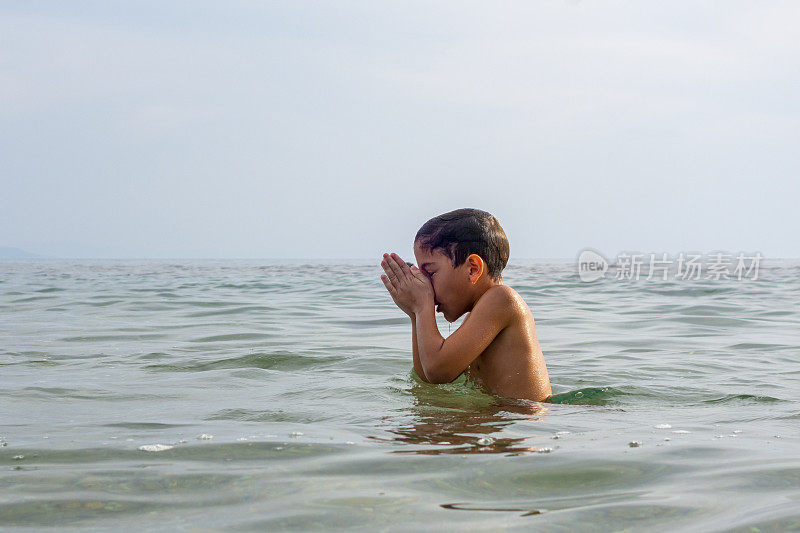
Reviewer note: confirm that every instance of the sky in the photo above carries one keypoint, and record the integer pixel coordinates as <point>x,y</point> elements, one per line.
<point>299,129</point>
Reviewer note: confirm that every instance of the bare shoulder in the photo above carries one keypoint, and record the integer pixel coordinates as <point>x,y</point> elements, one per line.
<point>506,300</point>
<point>507,295</point>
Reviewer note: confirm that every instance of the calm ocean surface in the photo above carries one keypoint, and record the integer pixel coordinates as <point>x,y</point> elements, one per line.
<point>284,390</point>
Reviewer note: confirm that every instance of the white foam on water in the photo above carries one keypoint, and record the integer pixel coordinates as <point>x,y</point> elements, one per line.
<point>155,447</point>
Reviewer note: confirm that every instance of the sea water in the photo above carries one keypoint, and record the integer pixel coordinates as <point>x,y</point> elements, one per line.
<point>277,395</point>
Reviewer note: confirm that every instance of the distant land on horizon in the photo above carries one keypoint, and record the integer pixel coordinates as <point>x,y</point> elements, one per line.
<point>8,252</point>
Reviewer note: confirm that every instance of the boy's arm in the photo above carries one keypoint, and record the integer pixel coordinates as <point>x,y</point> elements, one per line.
<point>444,359</point>
<point>415,351</point>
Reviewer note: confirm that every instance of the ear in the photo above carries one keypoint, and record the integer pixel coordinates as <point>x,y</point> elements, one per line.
<point>476,267</point>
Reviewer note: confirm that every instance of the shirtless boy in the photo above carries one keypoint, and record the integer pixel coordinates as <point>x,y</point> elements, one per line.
<point>461,256</point>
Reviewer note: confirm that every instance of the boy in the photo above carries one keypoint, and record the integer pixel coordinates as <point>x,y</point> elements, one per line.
<point>461,256</point>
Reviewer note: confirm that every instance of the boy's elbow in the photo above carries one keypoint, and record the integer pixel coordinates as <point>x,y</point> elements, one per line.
<point>438,380</point>
<point>438,375</point>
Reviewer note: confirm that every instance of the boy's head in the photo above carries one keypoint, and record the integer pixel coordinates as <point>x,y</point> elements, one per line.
<point>460,250</point>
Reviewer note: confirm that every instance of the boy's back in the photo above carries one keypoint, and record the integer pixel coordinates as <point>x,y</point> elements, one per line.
<point>513,364</point>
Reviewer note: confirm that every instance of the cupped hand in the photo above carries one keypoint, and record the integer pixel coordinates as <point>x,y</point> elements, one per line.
<point>410,289</point>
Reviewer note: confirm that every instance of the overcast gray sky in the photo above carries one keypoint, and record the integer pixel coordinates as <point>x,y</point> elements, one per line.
<point>335,129</point>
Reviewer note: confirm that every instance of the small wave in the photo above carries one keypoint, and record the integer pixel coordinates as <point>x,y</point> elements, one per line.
<point>284,361</point>
<point>51,289</point>
<point>76,394</point>
<point>690,291</point>
<point>257,286</point>
<point>712,321</point>
<point>376,322</point>
<point>729,398</point>
<point>758,346</point>
<point>232,311</point>
<point>249,415</point>
<point>143,425</point>
<point>31,299</point>
<point>103,304</point>
<point>234,337</point>
<point>96,338</point>
<point>588,396</point>
<point>210,303</point>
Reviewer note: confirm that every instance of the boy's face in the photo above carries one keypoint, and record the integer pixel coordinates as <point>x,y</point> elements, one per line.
<point>451,285</point>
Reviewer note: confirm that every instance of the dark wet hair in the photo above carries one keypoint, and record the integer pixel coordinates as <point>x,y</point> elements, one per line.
<point>467,231</point>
